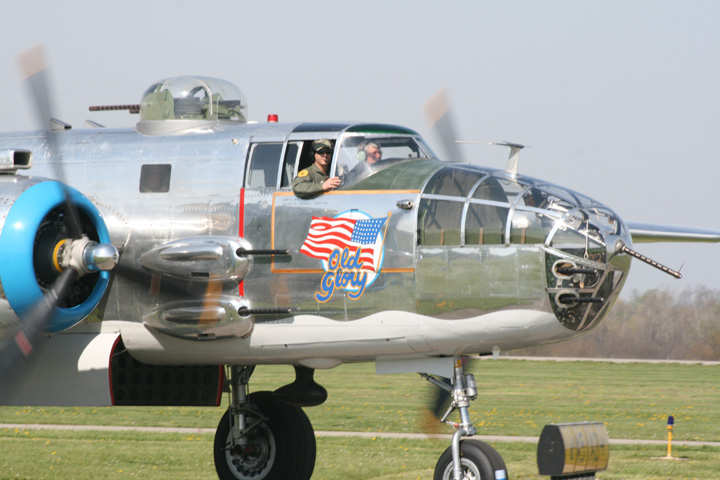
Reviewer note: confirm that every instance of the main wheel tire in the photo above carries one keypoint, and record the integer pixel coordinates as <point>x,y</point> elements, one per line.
<point>304,439</point>
<point>282,446</point>
<point>475,463</point>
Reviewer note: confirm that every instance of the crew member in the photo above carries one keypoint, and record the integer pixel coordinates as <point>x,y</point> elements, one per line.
<point>314,180</point>
<point>370,152</point>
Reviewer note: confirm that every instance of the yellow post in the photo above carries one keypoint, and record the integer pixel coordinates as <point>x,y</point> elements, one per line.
<point>670,424</point>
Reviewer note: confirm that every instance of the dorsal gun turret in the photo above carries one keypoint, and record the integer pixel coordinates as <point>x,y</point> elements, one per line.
<point>181,103</point>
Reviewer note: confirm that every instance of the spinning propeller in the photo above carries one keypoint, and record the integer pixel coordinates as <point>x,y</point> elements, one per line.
<point>63,252</point>
<point>438,114</point>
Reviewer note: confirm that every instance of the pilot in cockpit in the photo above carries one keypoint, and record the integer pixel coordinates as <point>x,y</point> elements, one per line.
<point>368,154</point>
<point>314,180</point>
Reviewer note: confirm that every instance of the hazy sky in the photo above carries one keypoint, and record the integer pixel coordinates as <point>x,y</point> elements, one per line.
<point>619,99</point>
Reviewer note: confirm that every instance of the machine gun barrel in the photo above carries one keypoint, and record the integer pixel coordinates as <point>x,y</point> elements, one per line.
<point>625,249</point>
<point>132,108</point>
<point>240,252</point>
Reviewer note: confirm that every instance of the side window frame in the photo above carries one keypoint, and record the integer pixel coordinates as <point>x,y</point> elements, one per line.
<point>290,166</point>
<point>252,162</point>
<point>305,159</point>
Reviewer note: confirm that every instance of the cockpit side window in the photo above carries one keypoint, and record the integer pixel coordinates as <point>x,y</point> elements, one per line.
<point>263,165</point>
<point>362,155</point>
<point>299,156</point>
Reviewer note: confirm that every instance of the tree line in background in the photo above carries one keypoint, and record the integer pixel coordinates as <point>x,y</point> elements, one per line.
<point>656,324</point>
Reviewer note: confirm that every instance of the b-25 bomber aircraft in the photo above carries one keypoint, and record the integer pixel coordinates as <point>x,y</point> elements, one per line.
<point>168,260</point>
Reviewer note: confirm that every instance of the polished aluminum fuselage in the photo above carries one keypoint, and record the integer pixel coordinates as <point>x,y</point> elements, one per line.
<point>428,299</point>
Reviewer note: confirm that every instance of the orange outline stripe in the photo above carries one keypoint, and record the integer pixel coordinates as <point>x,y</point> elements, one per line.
<point>318,270</point>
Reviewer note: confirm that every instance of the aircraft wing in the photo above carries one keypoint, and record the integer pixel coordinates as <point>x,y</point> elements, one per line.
<point>651,233</point>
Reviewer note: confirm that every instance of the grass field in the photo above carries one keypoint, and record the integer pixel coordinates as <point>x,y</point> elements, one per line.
<point>516,398</point>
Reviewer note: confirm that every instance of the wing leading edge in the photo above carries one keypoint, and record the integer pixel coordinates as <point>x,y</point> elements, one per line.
<point>651,233</point>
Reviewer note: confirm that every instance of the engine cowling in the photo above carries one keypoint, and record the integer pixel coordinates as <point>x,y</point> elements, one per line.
<point>32,212</point>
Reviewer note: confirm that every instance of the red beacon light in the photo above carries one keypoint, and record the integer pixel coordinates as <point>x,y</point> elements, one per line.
<point>272,118</point>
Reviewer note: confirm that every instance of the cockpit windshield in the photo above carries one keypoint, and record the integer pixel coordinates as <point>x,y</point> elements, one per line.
<point>362,155</point>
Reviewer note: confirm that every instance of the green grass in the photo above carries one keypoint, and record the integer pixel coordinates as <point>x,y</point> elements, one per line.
<point>93,455</point>
<point>520,397</point>
<point>516,398</point>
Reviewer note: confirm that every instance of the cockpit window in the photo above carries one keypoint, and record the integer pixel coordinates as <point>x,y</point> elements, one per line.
<point>360,156</point>
<point>264,160</point>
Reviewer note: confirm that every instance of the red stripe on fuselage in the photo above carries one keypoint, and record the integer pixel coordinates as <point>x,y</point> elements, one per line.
<point>241,233</point>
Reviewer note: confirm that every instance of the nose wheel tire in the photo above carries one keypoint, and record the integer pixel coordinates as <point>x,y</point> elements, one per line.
<point>479,461</point>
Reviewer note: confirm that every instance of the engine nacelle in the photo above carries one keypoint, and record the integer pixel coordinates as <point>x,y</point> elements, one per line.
<point>32,212</point>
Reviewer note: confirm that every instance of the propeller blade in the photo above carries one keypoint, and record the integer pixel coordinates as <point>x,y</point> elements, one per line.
<point>34,70</point>
<point>35,77</point>
<point>437,111</point>
<point>16,350</point>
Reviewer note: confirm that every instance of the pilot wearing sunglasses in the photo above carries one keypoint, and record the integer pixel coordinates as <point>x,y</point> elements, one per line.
<point>314,180</point>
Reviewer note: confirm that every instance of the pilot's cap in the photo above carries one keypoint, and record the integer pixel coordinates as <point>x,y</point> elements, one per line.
<point>318,145</point>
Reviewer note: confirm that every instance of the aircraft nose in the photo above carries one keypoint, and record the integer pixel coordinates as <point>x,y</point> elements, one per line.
<point>532,238</point>
<point>584,275</point>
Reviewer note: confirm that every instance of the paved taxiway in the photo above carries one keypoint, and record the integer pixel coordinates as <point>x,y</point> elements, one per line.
<point>413,436</point>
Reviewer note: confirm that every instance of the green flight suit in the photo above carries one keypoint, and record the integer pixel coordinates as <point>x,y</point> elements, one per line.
<point>308,182</point>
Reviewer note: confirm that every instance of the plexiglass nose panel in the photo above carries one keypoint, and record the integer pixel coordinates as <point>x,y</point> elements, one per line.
<point>473,208</point>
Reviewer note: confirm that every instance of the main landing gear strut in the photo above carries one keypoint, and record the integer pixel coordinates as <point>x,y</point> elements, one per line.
<point>267,436</point>
<point>465,459</point>
<point>261,437</point>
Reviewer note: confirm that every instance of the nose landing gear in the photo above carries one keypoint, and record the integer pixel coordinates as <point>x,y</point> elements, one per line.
<point>465,459</point>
